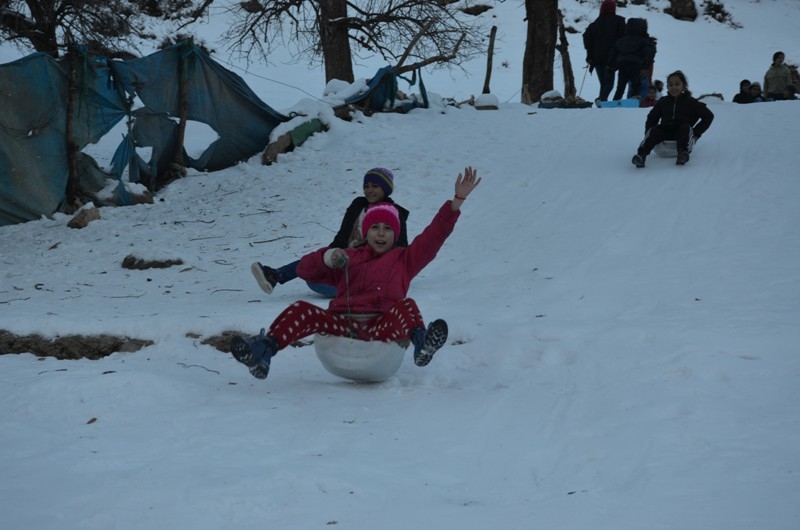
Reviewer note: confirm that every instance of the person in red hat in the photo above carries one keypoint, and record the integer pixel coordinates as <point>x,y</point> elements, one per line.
<point>372,284</point>
<point>599,39</point>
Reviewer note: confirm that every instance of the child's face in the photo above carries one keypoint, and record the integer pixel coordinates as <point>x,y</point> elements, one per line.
<point>373,193</point>
<point>380,237</point>
<point>674,86</point>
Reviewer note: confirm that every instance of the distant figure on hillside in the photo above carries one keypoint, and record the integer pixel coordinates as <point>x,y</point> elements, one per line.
<point>659,84</point>
<point>650,100</point>
<point>599,39</point>
<point>632,56</point>
<point>777,77</point>
<point>647,75</point>
<point>744,95</point>
<point>757,94</point>
<point>677,116</point>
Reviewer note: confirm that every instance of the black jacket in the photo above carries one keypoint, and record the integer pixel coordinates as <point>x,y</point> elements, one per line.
<point>600,36</point>
<point>342,239</point>
<point>670,111</point>
<point>635,47</point>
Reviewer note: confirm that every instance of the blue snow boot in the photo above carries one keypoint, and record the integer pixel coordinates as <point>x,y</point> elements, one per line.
<point>427,342</point>
<point>255,352</point>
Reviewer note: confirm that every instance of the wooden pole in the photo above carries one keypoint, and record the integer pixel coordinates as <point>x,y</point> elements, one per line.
<point>72,145</point>
<point>177,168</point>
<point>566,63</point>
<point>490,54</point>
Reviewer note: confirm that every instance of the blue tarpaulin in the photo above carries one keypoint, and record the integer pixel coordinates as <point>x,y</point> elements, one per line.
<point>34,164</point>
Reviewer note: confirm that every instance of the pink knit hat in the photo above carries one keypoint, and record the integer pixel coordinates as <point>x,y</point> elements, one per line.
<point>381,213</point>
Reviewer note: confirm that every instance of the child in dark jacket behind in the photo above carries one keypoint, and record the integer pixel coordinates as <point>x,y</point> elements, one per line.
<point>677,116</point>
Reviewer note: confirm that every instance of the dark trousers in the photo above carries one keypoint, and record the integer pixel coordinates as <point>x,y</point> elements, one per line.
<point>629,76</point>
<point>606,77</point>
<point>682,133</point>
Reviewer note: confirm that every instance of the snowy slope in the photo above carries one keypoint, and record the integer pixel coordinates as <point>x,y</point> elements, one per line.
<point>623,349</point>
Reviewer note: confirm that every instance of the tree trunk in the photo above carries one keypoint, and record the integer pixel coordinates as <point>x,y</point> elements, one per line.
<point>335,41</point>
<point>540,48</point>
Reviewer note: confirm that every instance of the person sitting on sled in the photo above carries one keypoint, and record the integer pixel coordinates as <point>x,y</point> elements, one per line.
<point>378,186</point>
<point>677,116</point>
<point>372,284</point>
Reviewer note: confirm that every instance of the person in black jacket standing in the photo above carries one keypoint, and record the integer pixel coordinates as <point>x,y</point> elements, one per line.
<point>599,39</point>
<point>632,55</point>
<point>677,116</point>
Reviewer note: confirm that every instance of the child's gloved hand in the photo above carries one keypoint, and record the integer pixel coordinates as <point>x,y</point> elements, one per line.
<point>340,260</point>
<point>336,258</point>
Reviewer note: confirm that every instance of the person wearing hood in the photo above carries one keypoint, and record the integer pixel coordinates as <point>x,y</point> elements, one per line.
<point>756,94</point>
<point>677,116</point>
<point>598,39</point>
<point>632,56</point>
<point>372,283</point>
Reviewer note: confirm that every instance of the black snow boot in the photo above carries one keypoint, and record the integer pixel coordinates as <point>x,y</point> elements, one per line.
<point>638,160</point>
<point>427,342</point>
<point>255,353</point>
<point>683,157</point>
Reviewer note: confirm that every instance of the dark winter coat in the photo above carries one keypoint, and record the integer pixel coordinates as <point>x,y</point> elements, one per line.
<point>635,47</point>
<point>600,36</point>
<point>375,282</point>
<point>743,96</point>
<point>350,223</point>
<point>669,111</point>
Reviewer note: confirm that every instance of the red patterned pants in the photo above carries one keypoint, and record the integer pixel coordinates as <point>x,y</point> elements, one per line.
<point>302,319</point>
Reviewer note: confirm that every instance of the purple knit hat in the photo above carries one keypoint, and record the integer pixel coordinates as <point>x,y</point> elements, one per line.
<point>608,7</point>
<point>381,213</point>
<point>382,177</point>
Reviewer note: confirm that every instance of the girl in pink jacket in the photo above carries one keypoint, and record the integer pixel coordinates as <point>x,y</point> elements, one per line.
<point>372,285</point>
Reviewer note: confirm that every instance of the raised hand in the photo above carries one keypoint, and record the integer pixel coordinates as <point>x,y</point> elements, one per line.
<point>464,185</point>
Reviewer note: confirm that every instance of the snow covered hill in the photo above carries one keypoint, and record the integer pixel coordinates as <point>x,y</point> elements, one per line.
<point>623,349</point>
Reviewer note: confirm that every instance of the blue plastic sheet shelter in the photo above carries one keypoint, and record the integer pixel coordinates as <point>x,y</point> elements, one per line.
<point>34,166</point>
<point>214,95</point>
<point>179,82</point>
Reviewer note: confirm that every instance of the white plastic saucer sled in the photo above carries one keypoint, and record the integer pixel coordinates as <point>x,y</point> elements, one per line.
<point>667,149</point>
<point>359,360</point>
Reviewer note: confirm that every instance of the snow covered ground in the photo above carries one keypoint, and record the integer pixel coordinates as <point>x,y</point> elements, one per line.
<point>623,347</point>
